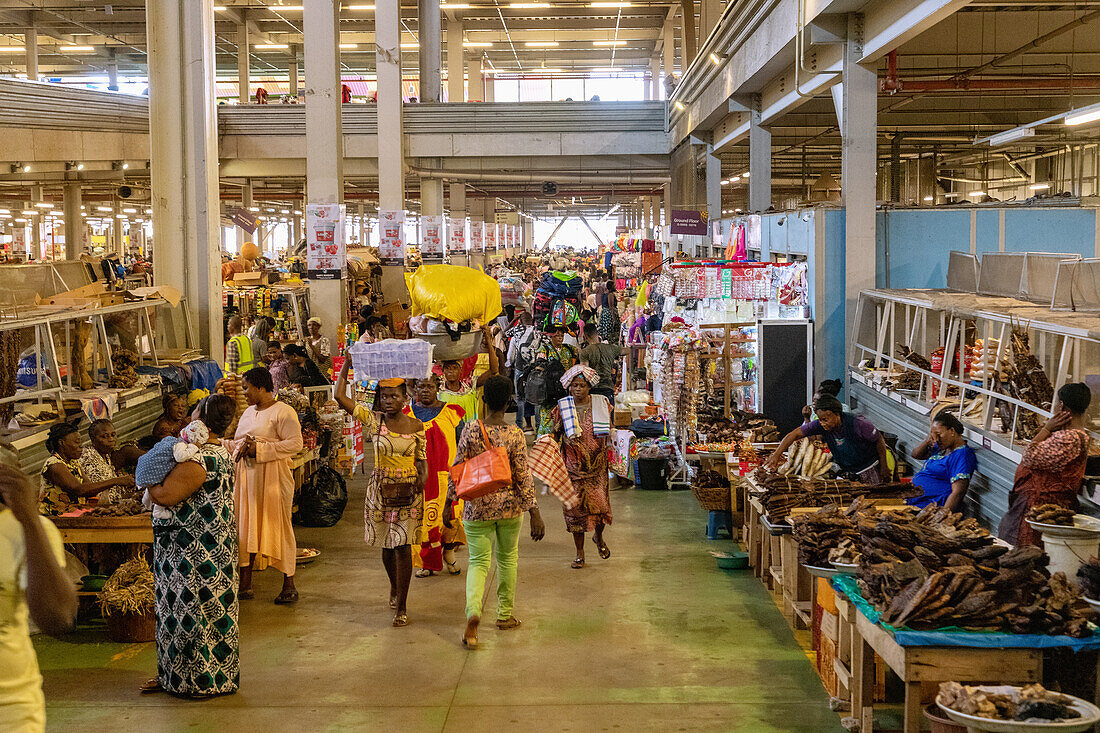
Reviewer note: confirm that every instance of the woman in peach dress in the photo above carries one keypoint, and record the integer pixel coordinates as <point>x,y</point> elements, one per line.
<point>268,436</point>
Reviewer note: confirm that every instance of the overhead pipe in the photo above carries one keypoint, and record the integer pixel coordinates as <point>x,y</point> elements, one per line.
<point>963,84</point>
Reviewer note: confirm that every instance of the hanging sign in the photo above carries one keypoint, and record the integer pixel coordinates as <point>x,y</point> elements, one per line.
<point>326,253</point>
<point>688,221</point>
<point>245,219</point>
<point>391,237</point>
<point>456,237</point>
<point>431,241</point>
<point>477,236</point>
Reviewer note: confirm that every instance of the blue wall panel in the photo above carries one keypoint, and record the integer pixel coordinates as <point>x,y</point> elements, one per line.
<point>1071,231</point>
<point>830,275</point>
<point>987,232</point>
<point>913,245</point>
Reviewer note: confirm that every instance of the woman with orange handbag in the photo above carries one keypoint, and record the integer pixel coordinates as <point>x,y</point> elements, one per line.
<point>394,508</point>
<point>495,517</point>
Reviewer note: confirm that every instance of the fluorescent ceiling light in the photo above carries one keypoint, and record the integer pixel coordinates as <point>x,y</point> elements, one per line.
<point>29,212</point>
<point>120,216</point>
<point>725,181</point>
<point>608,43</point>
<point>976,194</point>
<point>609,5</point>
<point>359,7</point>
<point>528,6</point>
<point>455,6</point>
<point>44,205</point>
<point>1003,138</point>
<point>540,44</point>
<point>103,208</point>
<point>410,45</point>
<point>735,179</point>
<point>714,59</point>
<point>1039,186</point>
<point>477,44</point>
<point>129,211</point>
<point>271,46</point>
<point>219,8</point>
<point>12,49</point>
<point>1084,115</point>
<point>284,7</point>
<point>349,45</point>
<point>76,49</point>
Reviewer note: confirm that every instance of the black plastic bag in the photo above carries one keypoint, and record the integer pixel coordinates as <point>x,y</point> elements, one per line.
<point>323,498</point>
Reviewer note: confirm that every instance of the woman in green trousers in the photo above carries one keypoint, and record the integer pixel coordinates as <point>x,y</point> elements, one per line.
<point>498,517</point>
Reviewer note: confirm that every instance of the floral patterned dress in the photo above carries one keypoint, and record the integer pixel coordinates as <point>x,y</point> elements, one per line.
<point>1049,473</point>
<point>195,583</point>
<point>395,457</point>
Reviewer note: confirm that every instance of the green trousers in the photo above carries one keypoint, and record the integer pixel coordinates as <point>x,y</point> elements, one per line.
<point>480,537</point>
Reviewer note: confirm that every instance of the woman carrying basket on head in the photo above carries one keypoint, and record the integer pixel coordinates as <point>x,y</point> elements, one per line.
<point>394,508</point>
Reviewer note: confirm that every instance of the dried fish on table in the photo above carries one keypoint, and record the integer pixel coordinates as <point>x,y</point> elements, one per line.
<point>1030,702</point>
<point>784,493</point>
<point>917,360</point>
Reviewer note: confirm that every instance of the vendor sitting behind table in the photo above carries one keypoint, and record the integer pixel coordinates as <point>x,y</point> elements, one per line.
<point>857,445</point>
<point>63,480</point>
<point>104,459</point>
<point>948,464</point>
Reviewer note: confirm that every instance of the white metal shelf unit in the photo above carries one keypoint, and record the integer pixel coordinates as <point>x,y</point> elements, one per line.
<point>1067,346</point>
<point>44,323</point>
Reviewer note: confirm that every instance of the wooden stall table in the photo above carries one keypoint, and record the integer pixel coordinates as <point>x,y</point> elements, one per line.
<point>916,665</point>
<point>136,529</point>
<point>796,583</point>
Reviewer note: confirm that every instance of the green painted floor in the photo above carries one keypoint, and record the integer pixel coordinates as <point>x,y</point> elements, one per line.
<point>656,638</point>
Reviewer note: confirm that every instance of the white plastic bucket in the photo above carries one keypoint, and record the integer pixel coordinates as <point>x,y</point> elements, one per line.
<point>1068,554</point>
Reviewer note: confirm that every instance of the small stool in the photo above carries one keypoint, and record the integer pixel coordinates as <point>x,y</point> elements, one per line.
<point>719,520</point>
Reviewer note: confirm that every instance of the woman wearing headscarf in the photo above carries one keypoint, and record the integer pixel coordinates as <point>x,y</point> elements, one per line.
<point>581,425</point>
<point>554,348</point>
<point>318,346</point>
<point>394,507</point>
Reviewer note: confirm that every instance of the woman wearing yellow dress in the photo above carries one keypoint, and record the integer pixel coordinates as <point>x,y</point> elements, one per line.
<point>442,422</point>
<point>394,508</point>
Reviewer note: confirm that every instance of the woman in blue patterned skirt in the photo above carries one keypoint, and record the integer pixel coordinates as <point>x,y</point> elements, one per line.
<point>195,567</point>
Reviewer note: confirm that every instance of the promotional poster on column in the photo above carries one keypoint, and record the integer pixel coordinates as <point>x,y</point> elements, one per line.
<point>431,239</point>
<point>326,252</point>
<point>391,237</point>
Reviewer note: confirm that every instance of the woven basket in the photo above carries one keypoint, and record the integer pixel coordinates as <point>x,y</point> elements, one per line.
<point>712,498</point>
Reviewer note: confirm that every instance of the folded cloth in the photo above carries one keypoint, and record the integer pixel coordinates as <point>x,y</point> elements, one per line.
<point>601,415</point>
<point>546,464</point>
<point>584,370</point>
<point>100,405</point>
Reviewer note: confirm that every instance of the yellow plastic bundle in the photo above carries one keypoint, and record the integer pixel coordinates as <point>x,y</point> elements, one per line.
<point>453,293</point>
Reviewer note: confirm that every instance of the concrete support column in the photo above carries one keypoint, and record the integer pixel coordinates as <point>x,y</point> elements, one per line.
<point>714,193</point>
<point>456,86</point>
<point>391,156</point>
<point>292,71</point>
<point>364,230</point>
<point>117,230</point>
<point>431,199</point>
<point>668,48</point>
<point>34,222</point>
<point>668,212</point>
<point>242,63</point>
<point>687,29</point>
<point>655,78</point>
<point>487,90</point>
<point>859,127</point>
<point>112,71</point>
<point>760,161</point>
<point>246,203</point>
<point>30,43</point>
<point>655,210</point>
<point>324,140</point>
<point>430,51</point>
<point>74,222</point>
<point>184,161</point>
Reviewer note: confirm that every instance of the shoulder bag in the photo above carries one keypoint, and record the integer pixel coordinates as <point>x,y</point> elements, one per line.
<point>486,473</point>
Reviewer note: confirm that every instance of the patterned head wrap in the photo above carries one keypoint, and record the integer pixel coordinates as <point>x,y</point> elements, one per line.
<point>582,370</point>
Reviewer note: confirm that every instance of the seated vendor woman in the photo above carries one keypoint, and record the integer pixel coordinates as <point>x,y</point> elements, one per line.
<point>63,481</point>
<point>857,445</point>
<point>948,464</point>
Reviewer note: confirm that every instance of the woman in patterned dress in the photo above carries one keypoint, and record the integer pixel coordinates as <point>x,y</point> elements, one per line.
<point>394,507</point>
<point>195,568</point>
<point>555,349</point>
<point>584,451</point>
<point>1052,467</point>
<point>63,480</point>
<point>609,315</point>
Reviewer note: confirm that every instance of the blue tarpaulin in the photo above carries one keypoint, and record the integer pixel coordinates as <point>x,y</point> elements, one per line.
<point>955,636</point>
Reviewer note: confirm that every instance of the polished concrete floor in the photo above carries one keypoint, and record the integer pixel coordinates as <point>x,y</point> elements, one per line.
<point>654,639</point>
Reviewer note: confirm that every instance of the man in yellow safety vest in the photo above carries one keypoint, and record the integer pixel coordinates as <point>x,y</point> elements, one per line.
<point>238,350</point>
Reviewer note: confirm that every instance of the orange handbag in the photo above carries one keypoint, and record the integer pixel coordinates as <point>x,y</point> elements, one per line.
<point>485,473</point>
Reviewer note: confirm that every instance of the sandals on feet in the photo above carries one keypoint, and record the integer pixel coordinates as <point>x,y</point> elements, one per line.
<point>509,623</point>
<point>401,619</point>
<point>605,551</point>
<point>452,568</point>
<point>424,573</point>
<point>469,637</point>
<point>577,564</point>
<point>287,597</point>
<point>151,687</point>
<point>393,601</point>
